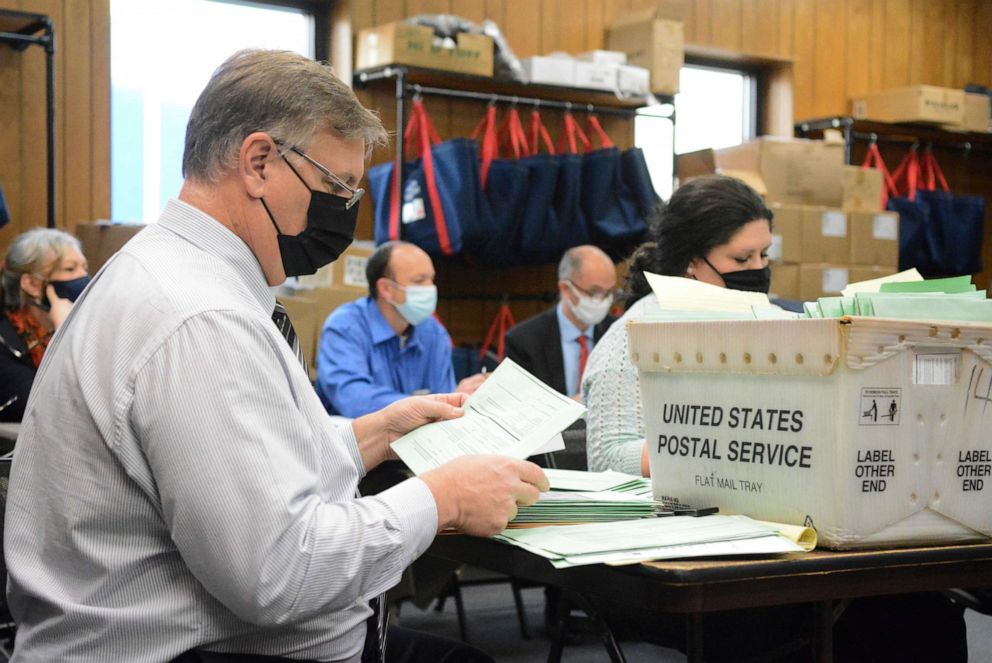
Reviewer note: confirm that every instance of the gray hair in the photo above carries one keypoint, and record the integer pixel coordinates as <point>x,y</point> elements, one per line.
<point>571,263</point>
<point>282,93</point>
<point>27,254</point>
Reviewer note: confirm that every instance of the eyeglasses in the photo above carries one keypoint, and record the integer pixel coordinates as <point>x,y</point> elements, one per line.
<point>329,177</point>
<point>596,295</point>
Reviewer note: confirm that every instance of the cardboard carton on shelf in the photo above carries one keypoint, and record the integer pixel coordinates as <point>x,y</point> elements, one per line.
<point>785,281</point>
<point>825,236</point>
<point>823,280</point>
<point>916,103</point>
<point>874,238</point>
<point>871,431</point>
<point>415,45</point>
<point>653,38</point>
<point>977,115</point>
<point>102,240</point>
<point>862,189</point>
<point>794,170</point>
<point>787,238</point>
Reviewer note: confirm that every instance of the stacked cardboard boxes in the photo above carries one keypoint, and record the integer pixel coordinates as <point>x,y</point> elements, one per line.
<point>653,38</point>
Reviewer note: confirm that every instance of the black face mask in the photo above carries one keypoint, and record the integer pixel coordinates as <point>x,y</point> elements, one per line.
<point>750,280</point>
<point>329,231</point>
<point>70,290</point>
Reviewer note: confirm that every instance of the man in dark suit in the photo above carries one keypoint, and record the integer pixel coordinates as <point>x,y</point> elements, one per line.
<point>554,345</point>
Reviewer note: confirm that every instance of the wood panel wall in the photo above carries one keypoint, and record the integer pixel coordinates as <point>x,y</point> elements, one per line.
<point>82,120</point>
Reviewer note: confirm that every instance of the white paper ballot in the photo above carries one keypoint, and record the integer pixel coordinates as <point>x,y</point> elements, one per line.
<point>675,292</point>
<point>874,285</point>
<point>512,413</point>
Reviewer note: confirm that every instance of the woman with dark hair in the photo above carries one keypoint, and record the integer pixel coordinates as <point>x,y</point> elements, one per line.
<point>714,229</point>
<point>42,274</point>
<point>717,230</point>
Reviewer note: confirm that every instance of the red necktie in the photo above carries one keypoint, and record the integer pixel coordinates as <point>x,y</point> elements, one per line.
<point>583,355</point>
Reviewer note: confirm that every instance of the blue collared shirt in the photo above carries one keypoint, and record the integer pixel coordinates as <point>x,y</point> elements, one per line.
<point>570,348</point>
<point>361,367</point>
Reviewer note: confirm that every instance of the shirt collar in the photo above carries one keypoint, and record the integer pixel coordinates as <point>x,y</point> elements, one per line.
<point>569,332</point>
<point>208,234</point>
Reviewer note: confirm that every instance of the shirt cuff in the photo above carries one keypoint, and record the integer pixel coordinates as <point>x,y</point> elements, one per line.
<point>415,512</point>
<point>630,459</point>
<point>351,444</point>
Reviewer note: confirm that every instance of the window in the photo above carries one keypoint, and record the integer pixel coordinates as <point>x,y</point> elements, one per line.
<point>155,77</point>
<point>715,107</point>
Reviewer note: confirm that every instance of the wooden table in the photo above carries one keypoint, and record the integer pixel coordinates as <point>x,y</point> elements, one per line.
<point>694,587</point>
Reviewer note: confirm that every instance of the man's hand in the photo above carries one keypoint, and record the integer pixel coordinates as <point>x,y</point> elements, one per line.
<point>376,431</point>
<point>59,307</point>
<point>471,383</point>
<point>479,495</point>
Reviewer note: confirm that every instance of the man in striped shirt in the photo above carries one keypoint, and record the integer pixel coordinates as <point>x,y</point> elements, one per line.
<point>178,492</point>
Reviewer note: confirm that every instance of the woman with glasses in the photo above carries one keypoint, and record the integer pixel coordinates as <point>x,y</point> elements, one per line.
<point>43,273</point>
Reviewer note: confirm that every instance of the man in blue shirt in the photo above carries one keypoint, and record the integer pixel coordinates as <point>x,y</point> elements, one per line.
<point>387,346</point>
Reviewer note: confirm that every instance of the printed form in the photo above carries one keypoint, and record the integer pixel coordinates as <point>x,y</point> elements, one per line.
<point>512,414</point>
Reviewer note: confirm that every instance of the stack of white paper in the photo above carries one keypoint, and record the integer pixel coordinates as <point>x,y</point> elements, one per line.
<point>564,507</point>
<point>681,294</point>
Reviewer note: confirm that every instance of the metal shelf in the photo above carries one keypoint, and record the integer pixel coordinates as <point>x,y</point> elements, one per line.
<point>20,30</point>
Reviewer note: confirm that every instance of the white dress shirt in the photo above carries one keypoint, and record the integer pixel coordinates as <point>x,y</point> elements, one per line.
<point>178,484</point>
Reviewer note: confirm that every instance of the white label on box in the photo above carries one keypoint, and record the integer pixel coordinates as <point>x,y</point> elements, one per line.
<point>880,406</point>
<point>775,250</point>
<point>414,210</point>
<point>834,279</point>
<point>936,369</point>
<point>833,224</point>
<point>885,226</point>
<point>354,271</point>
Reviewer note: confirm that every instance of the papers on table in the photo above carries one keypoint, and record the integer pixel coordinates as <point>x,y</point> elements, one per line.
<point>512,413</point>
<point>653,538</point>
<point>587,481</point>
<point>563,507</point>
<point>873,285</point>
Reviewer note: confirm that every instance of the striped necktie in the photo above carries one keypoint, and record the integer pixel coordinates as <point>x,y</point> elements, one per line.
<point>376,625</point>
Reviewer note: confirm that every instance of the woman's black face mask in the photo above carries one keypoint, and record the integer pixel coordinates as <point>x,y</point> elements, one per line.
<point>70,290</point>
<point>750,280</point>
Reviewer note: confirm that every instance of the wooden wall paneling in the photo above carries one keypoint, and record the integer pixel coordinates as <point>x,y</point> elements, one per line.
<point>473,10</point>
<point>595,25</point>
<point>496,11</point>
<point>76,95</point>
<point>949,22</point>
<point>689,28</point>
<point>362,14</point>
<point>612,9</point>
<point>100,104</point>
<point>703,15</point>
<point>830,58</point>
<point>982,60</point>
<point>726,24</point>
<point>571,25</point>
<point>549,28</point>
<point>414,7</point>
<point>876,60</point>
<point>786,35</point>
<point>964,43</point>
<point>523,27</point>
<point>858,59</point>
<point>388,10</point>
<point>10,139</point>
<point>766,28</point>
<point>896,54</point>
<point>748,27</point>
<point>34,191</point>
<point>921,46</point>
<point>932,19</point>
<point>805,47</point>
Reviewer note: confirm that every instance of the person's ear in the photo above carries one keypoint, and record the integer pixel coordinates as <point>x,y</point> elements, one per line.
<point>384,287</point>
<point>692,268</point>
<point>32,285</point>
<point>255,159</point>
<point>564,292</point>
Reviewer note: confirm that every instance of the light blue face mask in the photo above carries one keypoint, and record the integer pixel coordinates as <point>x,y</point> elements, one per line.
<point>421,301</point>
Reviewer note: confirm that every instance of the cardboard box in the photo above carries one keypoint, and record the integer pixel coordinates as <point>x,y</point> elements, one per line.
<point>871,431</point>
<point>917,103</point>
<point>595,76</point>
<point>825,236</point>
<point>977,115</point>
<point>822,280</point>
<point>550,70</point>
<point>691,165</point>
<point>345,273</point>
<point>785,282</point>
<point>794,170</point>
<point>874,238</point>
<point>653,38</point>
<point>405,43</point>
<point>862,189</point>
<point>102,240</point>
<point>787,237</point>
